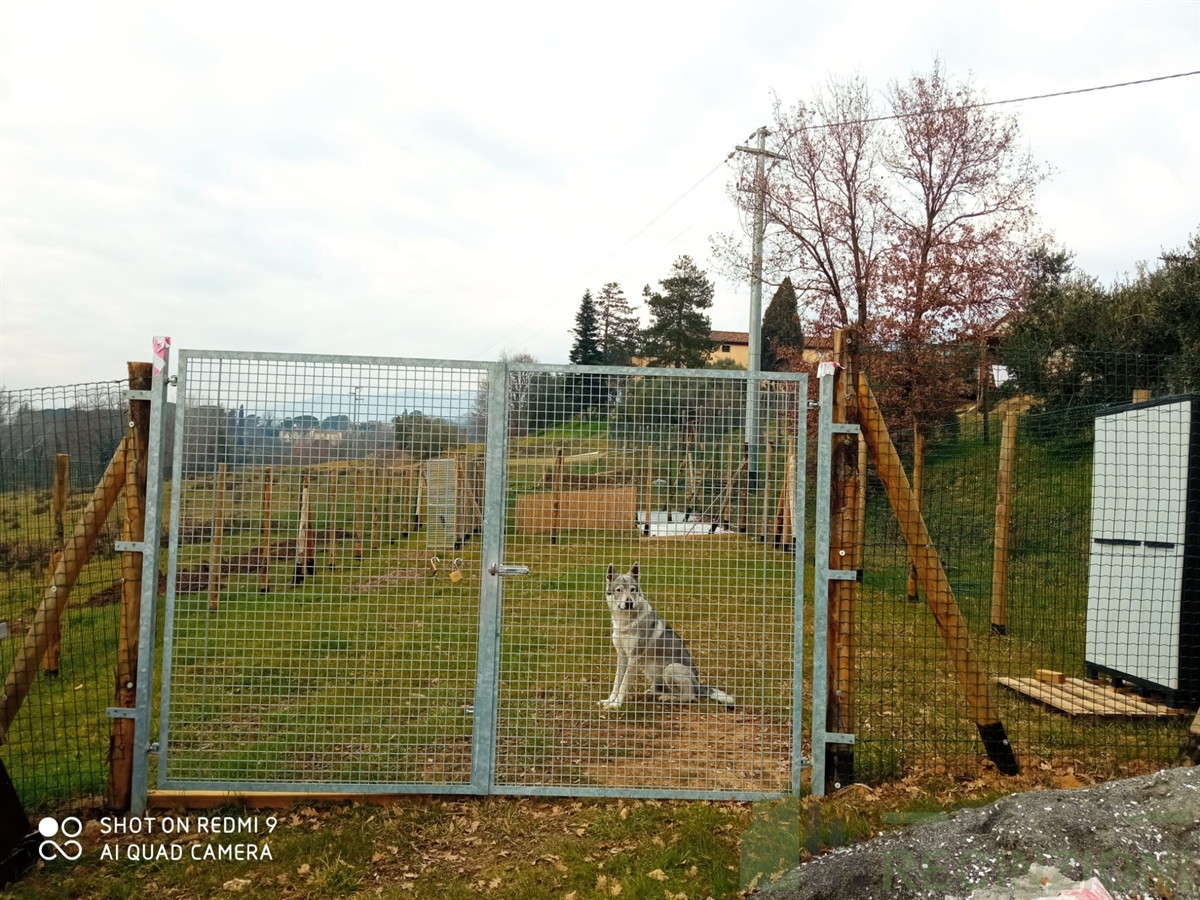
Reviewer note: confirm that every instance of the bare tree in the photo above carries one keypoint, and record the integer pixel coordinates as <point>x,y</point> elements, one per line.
<point>960,212</point>
<point>911,227</point>
<point>823,204</point>
<point>518,393</point>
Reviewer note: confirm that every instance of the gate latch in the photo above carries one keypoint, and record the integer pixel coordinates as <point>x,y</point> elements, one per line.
<point>501,569</point>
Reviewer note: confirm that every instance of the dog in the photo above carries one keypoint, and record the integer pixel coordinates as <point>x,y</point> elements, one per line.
<point>647,644</point>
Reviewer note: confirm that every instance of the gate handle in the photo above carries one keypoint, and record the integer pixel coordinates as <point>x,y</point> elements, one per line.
<point>501,569</point>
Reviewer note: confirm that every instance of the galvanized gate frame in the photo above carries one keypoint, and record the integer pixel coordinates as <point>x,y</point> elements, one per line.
<point>822,575</point>
<point>495,568</point>
<point>149,548</point>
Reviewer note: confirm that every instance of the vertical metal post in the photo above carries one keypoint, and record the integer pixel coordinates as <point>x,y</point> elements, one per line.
<point>149,606</point>
<point>754,363</point>
<point>483,735</point>
<point>822,575</point>
<point>798,507</point>
<point>164,737</point>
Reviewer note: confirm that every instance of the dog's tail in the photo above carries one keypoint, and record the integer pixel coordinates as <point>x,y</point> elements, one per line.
<point>717,694</point>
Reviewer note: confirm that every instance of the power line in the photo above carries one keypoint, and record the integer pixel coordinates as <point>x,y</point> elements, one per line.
<point>1086,90</point>
<point>638,234</point>
<point>981,104</point>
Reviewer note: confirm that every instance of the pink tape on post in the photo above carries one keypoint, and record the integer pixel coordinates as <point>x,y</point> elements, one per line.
<point>161,345</point>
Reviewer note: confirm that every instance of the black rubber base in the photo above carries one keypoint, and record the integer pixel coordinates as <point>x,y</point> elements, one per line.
<point>839,766</point>
<point>999,750</point>
<point>16,843</point>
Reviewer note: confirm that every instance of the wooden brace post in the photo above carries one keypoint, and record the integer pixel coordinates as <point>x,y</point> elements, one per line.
<point>935,584</point>
<point>66,573</point>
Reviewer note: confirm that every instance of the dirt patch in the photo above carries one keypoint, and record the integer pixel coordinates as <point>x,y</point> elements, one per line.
<point>1140,836</point>
<point>395,576</point>
<point>112,593</point>
<point>698,747</point>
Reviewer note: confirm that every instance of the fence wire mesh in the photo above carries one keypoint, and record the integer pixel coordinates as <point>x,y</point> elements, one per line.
<point>1064,518</point>
<point>55,445</point>
<point>649,470</point>
<point>324,613</point>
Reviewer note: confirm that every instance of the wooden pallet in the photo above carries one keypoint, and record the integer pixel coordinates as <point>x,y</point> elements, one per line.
<point>1078,697</point>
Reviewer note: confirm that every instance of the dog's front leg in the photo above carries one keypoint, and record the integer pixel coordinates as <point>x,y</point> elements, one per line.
<point>617,697</point>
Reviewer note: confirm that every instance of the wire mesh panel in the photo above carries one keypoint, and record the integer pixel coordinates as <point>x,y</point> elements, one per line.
<point>1050,502</point>
<point>313,637</point>
<point>55,445</point>
<point>650,473</point>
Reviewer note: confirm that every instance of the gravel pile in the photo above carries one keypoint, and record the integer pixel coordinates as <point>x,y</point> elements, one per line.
<point>1140,837</point>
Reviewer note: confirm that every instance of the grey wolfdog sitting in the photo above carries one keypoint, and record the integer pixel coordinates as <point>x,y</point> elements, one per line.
<point>647,644</point>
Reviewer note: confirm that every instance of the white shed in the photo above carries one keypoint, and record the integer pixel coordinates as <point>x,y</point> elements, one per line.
<point>1143,618</point>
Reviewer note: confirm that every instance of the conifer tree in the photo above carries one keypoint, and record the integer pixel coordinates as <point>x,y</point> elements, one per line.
<point>782,336</point>
<point>586,349</point>
<point>680,332</point>
<point>617,326</point>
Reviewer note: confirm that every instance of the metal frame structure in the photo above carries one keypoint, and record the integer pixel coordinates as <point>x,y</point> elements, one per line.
<point>485,712</point>
<point>822,575</point>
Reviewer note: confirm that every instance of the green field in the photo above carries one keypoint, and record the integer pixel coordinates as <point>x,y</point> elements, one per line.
<point>366,673</point>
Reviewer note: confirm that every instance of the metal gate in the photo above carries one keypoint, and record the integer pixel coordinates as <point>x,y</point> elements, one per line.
<point>389,575</point>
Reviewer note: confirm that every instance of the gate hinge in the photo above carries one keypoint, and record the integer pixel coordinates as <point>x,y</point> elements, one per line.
<point>152,747</point>
<point>129,546</point>
<point>130,394</point>
<point>121,712</point>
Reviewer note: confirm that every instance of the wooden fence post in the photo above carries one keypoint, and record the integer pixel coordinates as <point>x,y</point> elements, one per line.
<point>649,487</point>
<point>66,573</point>
<point>744,491</point>
<point>1008,453</point>
<point>918,485</point>
<point>218,534</point>
<point>936,585</point>
<point>58,510</point>
<point>1141,396</point>
<point>766,488</point>
<point>556,484</point>
<point>375,503</point>
<point>121,750</point>
<point>305,539</point>
<point>358,512</point>
<point>844,548</point>
<point>266,531</point>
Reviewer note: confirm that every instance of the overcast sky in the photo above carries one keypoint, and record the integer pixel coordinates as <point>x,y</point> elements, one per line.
<point>441,180</point>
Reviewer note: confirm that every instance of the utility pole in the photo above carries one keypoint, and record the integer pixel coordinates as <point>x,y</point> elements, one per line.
<point>754,364</point>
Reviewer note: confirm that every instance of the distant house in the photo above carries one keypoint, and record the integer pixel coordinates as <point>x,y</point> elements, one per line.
<point>731,345</point>
<point>735,346</point>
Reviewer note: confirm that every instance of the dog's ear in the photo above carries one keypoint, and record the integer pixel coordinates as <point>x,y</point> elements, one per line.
<point>612,573</point>
<point>634,574</point>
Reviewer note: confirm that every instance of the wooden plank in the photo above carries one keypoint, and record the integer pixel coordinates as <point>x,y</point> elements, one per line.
<point>1050,694</point>
<point>1109,697</point>
<point>1078,697</point>
<point>1049,676</point>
